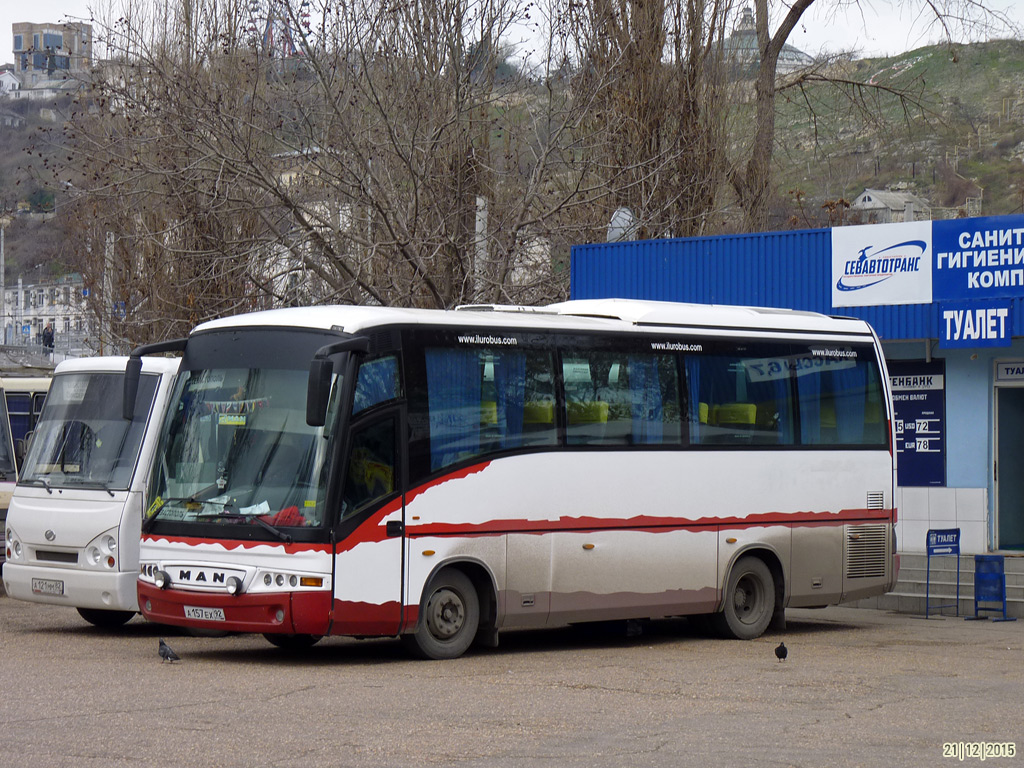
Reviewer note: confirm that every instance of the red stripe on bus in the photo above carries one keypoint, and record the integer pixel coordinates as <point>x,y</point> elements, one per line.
<point>650,524</point>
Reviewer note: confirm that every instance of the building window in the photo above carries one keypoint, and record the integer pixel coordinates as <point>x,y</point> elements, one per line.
<point>19,42</point>
<point>51,40</point>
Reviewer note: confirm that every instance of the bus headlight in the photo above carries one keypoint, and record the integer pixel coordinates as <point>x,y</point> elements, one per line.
<point>13,549</point>
<point>101,552</point>
<point>162,579</point>
<point>233,585</point>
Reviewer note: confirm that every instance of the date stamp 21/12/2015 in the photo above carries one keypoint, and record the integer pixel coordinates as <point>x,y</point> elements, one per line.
<point>979,750</point>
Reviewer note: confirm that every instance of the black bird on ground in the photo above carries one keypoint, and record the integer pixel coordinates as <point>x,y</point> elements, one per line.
<point>166,653</point>
<point>781,652</point>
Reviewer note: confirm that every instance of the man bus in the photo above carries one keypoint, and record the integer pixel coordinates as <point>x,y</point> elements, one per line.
<point>445,475</point>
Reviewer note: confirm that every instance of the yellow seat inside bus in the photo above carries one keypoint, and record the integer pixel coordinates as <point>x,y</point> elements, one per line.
<point>735,414</point>
<point>592,412</point>
<point>539,412</point>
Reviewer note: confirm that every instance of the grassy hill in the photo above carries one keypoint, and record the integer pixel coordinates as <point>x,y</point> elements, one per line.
<point>960,132</point>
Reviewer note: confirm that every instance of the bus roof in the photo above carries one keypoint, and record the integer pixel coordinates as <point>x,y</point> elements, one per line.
<point>595,314</point>
<point>116,364</point>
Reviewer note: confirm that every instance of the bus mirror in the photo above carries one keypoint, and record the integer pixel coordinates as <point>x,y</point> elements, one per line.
<point>318,391</point>
<point>132,374</point>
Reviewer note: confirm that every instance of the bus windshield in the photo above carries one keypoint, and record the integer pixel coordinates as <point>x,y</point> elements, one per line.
<point>82,439</point>
<point>237,449</point>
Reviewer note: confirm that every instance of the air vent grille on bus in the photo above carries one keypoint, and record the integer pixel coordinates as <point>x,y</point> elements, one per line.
<point>866,551</point>
<point>876,500</point>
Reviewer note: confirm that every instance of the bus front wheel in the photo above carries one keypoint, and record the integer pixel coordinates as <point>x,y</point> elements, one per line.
<point>449,617</point>
<point>292,642</point>
<point>749,600</point>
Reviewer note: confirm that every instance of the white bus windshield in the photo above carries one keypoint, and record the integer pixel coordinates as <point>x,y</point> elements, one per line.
<point>82,440</point>
<point>237,449</point>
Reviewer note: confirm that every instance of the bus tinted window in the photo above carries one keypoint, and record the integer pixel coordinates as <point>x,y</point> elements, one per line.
<point>841,402</point>
<point>737,399</point>
<point>377,383</point>
<point>618,398</point>
<point>782,395</point>
<point>485,400</point>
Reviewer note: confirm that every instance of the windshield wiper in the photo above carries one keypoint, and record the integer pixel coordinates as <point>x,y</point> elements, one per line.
<point>225,513</point>
<point>89,484</point>
<point>39,481</point>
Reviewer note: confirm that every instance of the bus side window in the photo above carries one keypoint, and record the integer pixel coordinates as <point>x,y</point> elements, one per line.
<point>377,383</point>
<point>614,398</point>
<point>483,400</point>
<point>841,404</point>
<point>372,466</point>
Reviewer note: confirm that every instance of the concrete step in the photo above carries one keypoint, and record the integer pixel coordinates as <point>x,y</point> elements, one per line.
<point>941,585</point>
<point>915,604</point>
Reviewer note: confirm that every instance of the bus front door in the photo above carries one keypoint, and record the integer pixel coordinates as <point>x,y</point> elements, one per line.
<point>368,579</point>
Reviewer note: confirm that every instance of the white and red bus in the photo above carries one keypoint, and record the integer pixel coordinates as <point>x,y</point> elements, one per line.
<point>445,475</point>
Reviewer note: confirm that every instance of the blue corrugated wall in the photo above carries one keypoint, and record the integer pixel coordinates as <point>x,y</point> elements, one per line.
<point>774,269</point>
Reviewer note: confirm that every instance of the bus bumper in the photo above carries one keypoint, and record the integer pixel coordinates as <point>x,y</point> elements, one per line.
<point>299,613</point>
<point>74,588</point>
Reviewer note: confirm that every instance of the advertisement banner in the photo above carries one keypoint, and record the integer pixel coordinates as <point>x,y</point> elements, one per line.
<point>979,258</point>
<point>882,264</point>
<point>975,324</point>
<point>919,405</point>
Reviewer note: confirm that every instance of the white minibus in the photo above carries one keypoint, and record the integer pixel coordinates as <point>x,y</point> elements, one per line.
<point>73,524</point>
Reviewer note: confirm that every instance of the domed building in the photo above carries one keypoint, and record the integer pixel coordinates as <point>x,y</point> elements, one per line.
<point>741,49</point>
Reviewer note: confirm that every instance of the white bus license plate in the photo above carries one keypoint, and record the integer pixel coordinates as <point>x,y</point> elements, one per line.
<point>204,614</point>
<point>47,587</point>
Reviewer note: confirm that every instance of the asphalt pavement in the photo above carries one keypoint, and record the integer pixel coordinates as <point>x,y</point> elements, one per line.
<point>859,688</point>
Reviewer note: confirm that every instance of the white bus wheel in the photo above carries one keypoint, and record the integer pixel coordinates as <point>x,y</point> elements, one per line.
<point>100,617</point>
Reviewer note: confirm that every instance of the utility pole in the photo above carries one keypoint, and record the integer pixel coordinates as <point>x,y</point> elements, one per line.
<point>5,221</point>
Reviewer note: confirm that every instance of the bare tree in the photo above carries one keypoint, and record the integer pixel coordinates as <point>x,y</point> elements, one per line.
<point>390,157</point>
<point>388,154</point>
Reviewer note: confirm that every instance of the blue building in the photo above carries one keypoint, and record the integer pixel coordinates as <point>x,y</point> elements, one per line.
<point>943,297</point>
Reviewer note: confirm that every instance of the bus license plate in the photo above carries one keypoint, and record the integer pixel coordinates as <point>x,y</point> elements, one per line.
<point>47,587</point>
<point>204,614</point>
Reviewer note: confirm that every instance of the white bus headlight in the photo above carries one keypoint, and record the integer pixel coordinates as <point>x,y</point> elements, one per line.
<point>233,585</point>
<point>101,552</point>
<point>13,549</point>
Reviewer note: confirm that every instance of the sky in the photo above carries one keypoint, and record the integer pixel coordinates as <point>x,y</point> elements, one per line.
<point>872,27</point>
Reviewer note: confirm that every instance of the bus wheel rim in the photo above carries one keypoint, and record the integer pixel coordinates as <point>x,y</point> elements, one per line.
<point>446,614</point>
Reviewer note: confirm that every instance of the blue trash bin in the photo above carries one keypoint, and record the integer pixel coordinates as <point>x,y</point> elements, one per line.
<point>990,587</point>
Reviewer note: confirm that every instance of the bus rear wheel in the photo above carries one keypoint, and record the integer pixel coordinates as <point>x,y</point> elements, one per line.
<point>749,600</point>
<point>449,617</point>
<point>105,619</point>
<point>293,642</point>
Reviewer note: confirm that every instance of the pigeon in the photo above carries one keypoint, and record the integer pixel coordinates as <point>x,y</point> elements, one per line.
<point>781,652</point>
<point>166,653</point>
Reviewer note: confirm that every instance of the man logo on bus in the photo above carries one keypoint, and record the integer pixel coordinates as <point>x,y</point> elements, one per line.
<point>870,269</point>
